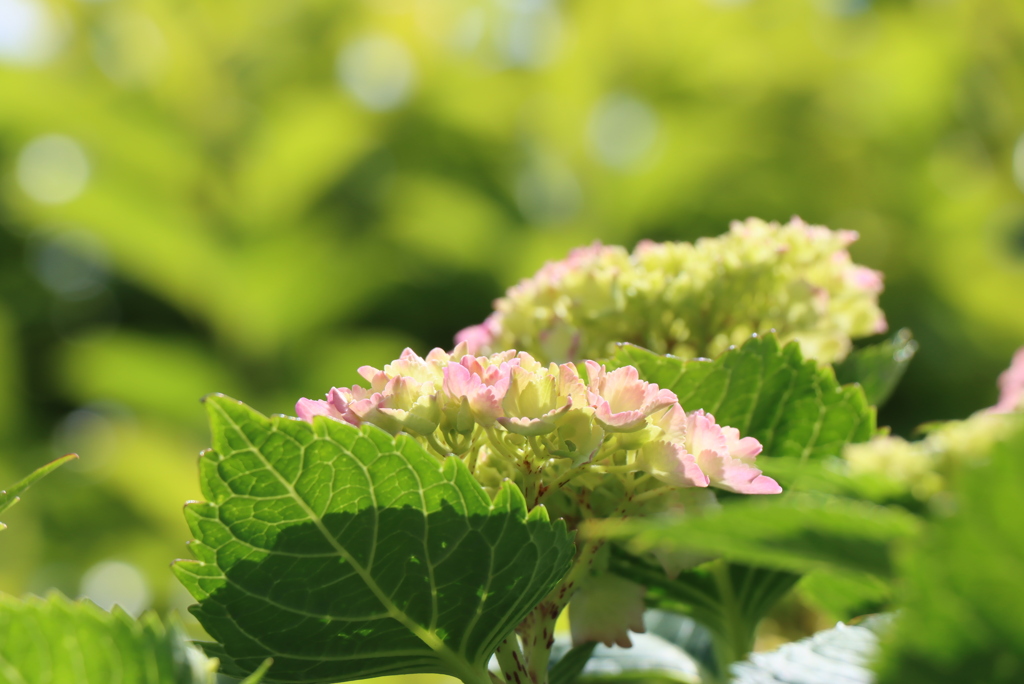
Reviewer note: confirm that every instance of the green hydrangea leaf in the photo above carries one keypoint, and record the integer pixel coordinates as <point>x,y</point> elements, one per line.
<point>794,532</point>
<point>567,668</point>
<point>963,595</point>
<point>56,640</point>
<point>879,367</point>
<point>764,542</point>
<point>727,599</point>
<point>9,497</point>
<point>841,655</point>
<point>843,594</point>
<point>346,553</point>
<point>792,406</point>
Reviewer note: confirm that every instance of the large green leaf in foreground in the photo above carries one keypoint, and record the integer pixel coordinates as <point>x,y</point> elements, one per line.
<point>346,553</point>
<point>793,407</point>
<point>64,642</point>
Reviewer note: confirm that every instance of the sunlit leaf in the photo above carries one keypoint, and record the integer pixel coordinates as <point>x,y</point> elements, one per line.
<point>346,553</point>
<point>793,407</point>
<point>56,640</point>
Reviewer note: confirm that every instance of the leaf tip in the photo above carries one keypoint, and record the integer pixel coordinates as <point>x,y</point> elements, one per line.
<point>539,513</point>
<point>257,676</point>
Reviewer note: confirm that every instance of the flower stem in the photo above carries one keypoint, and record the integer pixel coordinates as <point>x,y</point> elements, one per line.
<point>736,637</point>
<point>437,446</point>
<point>511,660</point>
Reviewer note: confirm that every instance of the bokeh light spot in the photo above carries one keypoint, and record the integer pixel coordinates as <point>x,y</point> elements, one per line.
<point>53,169</point>
<point>28,32</point>
<point>378,71</point>
<point>622,129</point>
<point>528,32</point>
<point>111,582</point>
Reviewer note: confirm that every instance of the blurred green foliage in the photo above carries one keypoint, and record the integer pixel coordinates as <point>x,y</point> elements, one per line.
<point>963,583</point>
<point>258,197</point>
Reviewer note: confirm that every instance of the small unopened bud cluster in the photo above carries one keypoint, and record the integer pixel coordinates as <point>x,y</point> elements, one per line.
<point>692,299</point>
<point>586,445</point>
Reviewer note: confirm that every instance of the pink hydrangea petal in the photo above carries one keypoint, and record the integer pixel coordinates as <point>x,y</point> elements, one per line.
<point>623,421</point>
<point>746,448</point>
<point>672,465</point>
<point>486,404</point>
<point>663,398</point>
<point>526,426</point>
<point>623,389</point>
<point>480,337</point>
<point>867,279</point>
<point>363,408</point>
<point>461,349</point>
<point>307,408</point>
<point>744,478</point>
<point>735,475</point>
<point>1011,385</point>
<point>673,422</point>
<point>703,434</point>
<point>369,373</point>
<point>570,384</point>
<point>409,355</point>
<point>459,381</point>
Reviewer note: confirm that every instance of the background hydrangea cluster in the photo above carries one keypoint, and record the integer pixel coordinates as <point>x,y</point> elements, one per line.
<point>693,299</point>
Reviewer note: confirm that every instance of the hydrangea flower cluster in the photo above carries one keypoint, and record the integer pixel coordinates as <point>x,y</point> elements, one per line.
<point>594,443</point>
<point>584,441</point>
<point>692,299</point>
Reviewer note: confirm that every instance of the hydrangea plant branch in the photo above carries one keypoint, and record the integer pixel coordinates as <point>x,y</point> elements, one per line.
<point>520,421</point>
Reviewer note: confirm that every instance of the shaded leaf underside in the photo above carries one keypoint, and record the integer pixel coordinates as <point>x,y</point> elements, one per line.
<point>796,532</point>
<point>346,553</point>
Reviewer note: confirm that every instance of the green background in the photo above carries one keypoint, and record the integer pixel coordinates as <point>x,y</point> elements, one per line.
<point>258,197</point>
